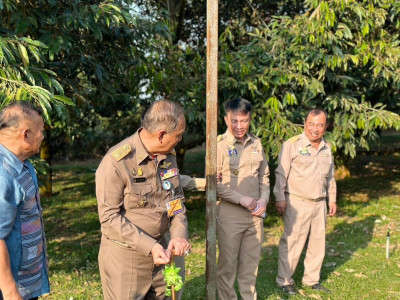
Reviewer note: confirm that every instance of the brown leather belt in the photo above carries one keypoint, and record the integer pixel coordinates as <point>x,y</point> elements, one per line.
<point>311,200</point>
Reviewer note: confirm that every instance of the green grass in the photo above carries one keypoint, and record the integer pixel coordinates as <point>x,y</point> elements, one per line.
<point>369,206</point>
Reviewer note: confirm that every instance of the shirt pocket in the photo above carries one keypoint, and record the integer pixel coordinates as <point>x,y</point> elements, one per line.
<point>326,165</point>
<point>138,195</point>
<point>305,166</point>
<point>255,161</point>
<point>233,164</point>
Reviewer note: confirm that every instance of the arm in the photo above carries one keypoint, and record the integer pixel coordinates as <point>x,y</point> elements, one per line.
<point>282,174</point>
<point>263,179</point>
<point>8,213</point>
<point>192,184</point>
<point>110,186</point>
<point>7,284</point>
<point>179,228</point>
<point>331,189</point>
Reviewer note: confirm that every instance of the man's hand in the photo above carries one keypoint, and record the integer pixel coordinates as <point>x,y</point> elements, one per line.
<point>12,295</point>
<point>332,208</point>
<point>179,246</point>
<point>160,255</point>
<point>280,206</point>
<point>248,202</point>
<point>262,207</point>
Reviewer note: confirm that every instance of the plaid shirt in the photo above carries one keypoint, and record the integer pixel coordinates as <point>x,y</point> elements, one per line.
<point>21,225</point>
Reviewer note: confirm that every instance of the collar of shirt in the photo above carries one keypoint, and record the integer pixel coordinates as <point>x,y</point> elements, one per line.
<point>11,159</point>
<point>305,142</point>
<point>232,140</point>
<point>141,152</point>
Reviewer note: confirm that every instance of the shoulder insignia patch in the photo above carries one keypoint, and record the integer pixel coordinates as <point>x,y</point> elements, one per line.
<point>294,139</point>
<point>220,137</point>
<point>173,152</point>
<point>121,152</point>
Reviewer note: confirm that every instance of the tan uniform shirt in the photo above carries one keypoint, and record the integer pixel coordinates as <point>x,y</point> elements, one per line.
<point>243,167</point>
<point>131,198</point>
<point>304,171</point>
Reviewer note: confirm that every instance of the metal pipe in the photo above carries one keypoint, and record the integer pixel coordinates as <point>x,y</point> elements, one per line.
<point>211,146</point>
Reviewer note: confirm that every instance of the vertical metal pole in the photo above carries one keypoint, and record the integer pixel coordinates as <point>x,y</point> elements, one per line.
<point>211,144</point>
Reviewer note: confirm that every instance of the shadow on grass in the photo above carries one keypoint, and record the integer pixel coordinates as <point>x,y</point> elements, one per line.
<point>71,220</point>
<point>342,242</point>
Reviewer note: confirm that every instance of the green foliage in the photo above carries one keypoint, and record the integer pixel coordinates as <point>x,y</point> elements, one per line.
<point>320,59</point>
<point>172,278</point>
<point>23,77</point>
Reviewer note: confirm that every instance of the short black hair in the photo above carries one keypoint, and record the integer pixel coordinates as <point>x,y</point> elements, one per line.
<point>238,105</point>
<point>10,118</point>
<point>317,111</point>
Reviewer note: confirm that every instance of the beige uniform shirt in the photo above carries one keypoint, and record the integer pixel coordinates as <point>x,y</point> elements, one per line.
<point>243,167</point>
<point>131,198</point>
<point>304,171</point>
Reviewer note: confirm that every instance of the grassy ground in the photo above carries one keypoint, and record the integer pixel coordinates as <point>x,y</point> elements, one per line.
<point>355,266</point>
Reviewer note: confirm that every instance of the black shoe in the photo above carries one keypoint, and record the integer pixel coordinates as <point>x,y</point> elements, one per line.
<point>320,287</point>
<point>289,289</point>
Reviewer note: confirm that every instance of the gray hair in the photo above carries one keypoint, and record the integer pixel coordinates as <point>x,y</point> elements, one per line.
<point>163,115</point>
<point>13,113</point>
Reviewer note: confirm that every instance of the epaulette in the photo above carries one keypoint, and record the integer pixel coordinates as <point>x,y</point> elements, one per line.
<point>173,152</point>
<point>294,139</point>
<point>252,135</point>
<point>220,138</point>
<point>121,152</point>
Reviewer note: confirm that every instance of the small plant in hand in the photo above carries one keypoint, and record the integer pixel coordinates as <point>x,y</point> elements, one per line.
<point>172,277</point>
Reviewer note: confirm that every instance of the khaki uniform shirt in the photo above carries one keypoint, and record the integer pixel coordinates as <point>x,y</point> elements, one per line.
<point>243,167</point>
<point>131,199</point>
<point>304,171</point>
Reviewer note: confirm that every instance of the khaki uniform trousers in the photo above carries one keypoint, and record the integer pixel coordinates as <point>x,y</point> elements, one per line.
<point>240,238</point>
<point>303,219</point>
<point>129,275</point>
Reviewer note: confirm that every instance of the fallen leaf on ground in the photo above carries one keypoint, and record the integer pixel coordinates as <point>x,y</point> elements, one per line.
<point>349,270</point>
<point>336,273</point>
<point>314,296</point>
<point>302,292</point>
<point>360,275</point>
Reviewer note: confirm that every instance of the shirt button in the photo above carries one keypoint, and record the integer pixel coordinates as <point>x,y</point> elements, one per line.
<point>236,172</point>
